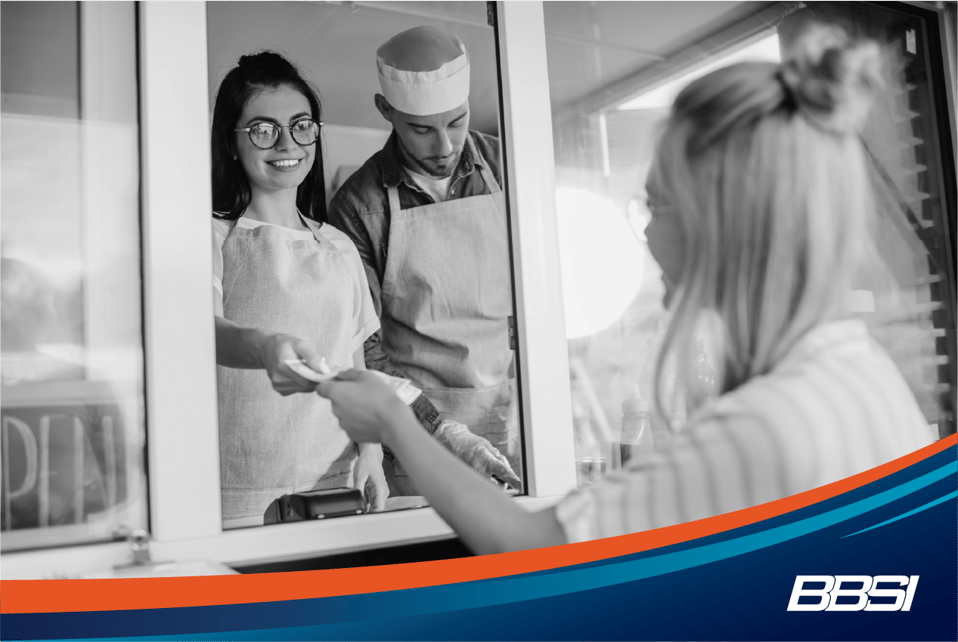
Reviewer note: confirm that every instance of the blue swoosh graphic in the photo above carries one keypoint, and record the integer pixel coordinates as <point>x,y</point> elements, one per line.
<point>951,495</point>
<point>525,588</point>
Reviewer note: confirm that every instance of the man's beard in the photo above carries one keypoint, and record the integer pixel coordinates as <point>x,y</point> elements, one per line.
<point>425,169</point>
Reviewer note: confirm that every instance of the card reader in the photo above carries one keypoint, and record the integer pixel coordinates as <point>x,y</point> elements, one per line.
<point>315,504</point>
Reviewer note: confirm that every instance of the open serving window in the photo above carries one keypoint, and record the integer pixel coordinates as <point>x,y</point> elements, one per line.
<point>110,400</point>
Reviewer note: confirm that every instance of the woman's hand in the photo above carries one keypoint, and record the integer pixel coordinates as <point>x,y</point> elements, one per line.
<point>368,476</point>
<point>275,350</point>
<point>366,406</point>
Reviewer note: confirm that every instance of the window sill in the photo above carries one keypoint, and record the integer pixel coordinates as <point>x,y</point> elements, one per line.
<point>252,546</point>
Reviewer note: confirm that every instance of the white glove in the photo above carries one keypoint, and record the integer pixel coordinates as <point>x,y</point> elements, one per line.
<point>476,451</point>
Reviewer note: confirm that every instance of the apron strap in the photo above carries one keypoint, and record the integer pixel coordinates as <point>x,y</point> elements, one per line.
<point>393,193</point>
<point>313,226</point>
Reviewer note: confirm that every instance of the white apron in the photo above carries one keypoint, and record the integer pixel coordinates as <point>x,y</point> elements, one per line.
<point>269,444</point>
<point>447,299</point>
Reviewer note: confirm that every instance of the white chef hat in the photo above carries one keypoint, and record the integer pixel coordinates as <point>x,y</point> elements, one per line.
<point>424,71</point>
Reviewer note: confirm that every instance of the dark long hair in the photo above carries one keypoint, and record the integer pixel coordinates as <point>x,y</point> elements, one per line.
<point>253,74</point>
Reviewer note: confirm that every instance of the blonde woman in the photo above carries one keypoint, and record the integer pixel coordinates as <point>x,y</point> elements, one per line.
<point>761,212</point>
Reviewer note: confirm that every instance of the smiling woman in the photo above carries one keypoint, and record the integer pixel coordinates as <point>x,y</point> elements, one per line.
<point>250,98</point>
<point>273,158</point>
<point>286,288</point>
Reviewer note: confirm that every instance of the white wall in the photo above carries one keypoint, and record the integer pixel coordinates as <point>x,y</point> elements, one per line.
<point>335,45</point>
<point>346,149</point>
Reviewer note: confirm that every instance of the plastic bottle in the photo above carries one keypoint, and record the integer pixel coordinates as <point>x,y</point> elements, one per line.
<point>636,438</point>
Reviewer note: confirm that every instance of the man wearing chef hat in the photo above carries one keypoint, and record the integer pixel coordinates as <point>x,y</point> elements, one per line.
<point>428,216</point>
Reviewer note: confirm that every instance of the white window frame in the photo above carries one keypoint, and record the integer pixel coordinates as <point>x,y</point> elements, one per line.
<point>540,312</point>
<point>184,481</point>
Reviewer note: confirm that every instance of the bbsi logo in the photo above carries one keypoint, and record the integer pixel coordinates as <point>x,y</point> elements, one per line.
<point>826,599</point>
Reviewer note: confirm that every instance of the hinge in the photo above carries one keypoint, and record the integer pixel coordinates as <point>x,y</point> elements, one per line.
<point>513,338</point>
<point>491,14</point>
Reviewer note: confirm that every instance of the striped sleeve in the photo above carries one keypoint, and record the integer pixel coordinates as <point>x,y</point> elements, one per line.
<point>718,465</point>
<point>835,407</point>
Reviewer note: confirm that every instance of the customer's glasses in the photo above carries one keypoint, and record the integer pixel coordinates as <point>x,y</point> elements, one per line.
<point>265,135</point>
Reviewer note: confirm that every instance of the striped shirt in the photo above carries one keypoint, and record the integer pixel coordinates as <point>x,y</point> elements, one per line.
<point>835,406</point>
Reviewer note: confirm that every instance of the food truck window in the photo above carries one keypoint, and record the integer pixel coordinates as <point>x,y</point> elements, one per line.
<point>72,346</point>
<point>614,69</point>
<point>439,277</point>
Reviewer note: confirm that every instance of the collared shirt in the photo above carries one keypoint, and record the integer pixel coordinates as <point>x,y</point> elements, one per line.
<point>437,188</point>
<point>835,406</point>
<point>361,209</point>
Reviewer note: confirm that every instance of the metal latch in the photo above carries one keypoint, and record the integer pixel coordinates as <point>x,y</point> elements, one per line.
<point>513,339</point>
<point>139,541</point>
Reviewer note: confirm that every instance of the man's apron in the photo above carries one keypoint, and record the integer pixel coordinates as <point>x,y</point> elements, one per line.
<point>269,444</point>
<point>447,299</point>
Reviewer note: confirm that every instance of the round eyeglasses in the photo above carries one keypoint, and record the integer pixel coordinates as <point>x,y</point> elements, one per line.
<point>265,135</point>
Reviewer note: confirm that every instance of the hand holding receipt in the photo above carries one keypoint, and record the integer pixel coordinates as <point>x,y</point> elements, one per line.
<point>402,387</point>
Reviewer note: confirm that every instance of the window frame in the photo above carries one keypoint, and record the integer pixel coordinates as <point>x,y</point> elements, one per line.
<point>184,489</point>
<point>943,80</point>
<point>938,22</point>
<point>106,125</point>
<point>181,407</point>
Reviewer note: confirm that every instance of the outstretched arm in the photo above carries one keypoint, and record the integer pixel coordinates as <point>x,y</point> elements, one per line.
<point>487,520</point>
<point>249,348</point>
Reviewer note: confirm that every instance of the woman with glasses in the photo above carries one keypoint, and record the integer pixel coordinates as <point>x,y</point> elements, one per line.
<point>286,287</point>
<point>761,214</point>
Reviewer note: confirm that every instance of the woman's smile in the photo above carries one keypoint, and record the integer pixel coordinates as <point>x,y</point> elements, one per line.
<point>285,164</point>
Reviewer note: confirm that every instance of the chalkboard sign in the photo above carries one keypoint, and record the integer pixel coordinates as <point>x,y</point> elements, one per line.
<point>63,454</point>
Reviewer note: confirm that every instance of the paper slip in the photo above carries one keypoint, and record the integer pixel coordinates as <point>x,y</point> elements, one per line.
<point>402,387</point>
<point>304,371</point>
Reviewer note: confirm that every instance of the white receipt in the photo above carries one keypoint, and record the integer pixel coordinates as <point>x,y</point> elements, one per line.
<point>402,387</point>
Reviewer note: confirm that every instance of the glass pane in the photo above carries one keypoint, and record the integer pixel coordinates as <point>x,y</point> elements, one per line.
<point>614,69</point>
<point>72,348</point>
<point>445,323</point>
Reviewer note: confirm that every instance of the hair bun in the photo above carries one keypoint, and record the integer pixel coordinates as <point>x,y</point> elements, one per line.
<point>833,79</point>
<point>264,59</point>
